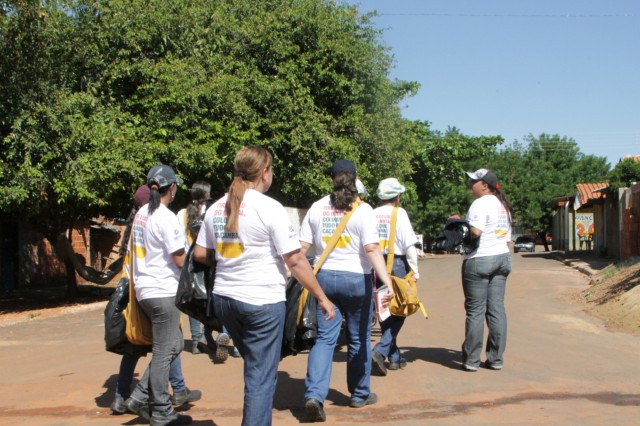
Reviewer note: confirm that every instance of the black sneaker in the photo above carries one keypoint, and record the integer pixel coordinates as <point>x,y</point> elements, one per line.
<point>117,406</point>
<point>172,419</point>
<point>371,399</point>
<point>138,407</point>
<point>187,395</point>
<point>315,412</point>
<point>402,364</point>
<point>377,364</point>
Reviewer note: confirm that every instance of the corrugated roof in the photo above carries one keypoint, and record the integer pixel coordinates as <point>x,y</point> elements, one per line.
<point>591,191</point>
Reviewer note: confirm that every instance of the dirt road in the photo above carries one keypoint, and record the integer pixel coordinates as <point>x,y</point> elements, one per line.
<point>561,366</point>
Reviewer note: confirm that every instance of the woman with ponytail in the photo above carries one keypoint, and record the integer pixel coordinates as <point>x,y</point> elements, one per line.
<point>252,238</point>
<point>158,256</point>
<point>485,272</point>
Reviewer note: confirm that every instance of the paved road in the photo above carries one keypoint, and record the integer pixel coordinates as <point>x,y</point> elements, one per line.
<point>561,366</point>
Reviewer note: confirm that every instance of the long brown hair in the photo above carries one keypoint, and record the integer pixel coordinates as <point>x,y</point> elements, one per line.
<point>507,205</point>
<point>344,192</point>
<point>248,166</point>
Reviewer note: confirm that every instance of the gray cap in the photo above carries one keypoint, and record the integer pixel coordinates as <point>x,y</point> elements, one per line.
<point>162,175</point>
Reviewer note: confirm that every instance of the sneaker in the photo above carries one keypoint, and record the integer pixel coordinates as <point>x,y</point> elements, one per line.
<point>138,407</point>
<point>315,412</point>
<point>222,352</point>
<point>357,403</point>
<point>377,364</point>
<point>117,406</point>
<point>469,367</point>
<point>172,419</point>
<point>493,366</point>
<point>195,349</point>
<point>402,364</point>
<point>187,395</point>
<point>235,353</point>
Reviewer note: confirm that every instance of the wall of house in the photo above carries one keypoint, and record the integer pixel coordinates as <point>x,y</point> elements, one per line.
<point>631,224</point>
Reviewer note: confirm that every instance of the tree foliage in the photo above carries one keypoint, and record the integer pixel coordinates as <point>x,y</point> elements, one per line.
<point>624,174</point>
<point>542,168</point>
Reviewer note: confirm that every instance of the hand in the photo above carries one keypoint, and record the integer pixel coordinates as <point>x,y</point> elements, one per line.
<point>327,308</point>
<point>387,298</point>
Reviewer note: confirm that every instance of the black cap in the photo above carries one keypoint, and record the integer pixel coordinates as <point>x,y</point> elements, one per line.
<point>343,166</point>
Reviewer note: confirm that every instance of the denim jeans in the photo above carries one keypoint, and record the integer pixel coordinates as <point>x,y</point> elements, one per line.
<point>257,332</point>
<point>390,328</point>
<point>484,282</point>
<point>128,366</point>
<point>196,330</point>
<point>351,294</point>
<point>167,344</point>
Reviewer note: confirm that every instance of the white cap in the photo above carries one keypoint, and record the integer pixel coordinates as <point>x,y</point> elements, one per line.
<point>361,188</point>
<point>389,188</point>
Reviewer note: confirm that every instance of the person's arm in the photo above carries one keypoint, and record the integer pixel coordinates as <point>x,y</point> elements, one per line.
<point>412,260</point>
<point>377,261</point>
<point>304,248</point>
<point>202,254</point>
<point>301,270</point>
<point>178,257</point>
<point>475,232</point>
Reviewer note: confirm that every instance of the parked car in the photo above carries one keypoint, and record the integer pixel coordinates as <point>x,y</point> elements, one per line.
<point>524,244</point>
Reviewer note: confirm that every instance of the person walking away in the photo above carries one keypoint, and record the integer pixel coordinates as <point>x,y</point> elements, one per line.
<point>485,272</point>
<point>405,260</point>
<point>128,362</point>
<point>253,239</point>
<point>346,278</point>
<point>158,256</point>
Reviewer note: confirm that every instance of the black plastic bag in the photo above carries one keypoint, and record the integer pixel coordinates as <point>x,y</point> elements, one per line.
<point>456,237</point>
<point>299,335</point>
<point>115,336</point>
<point>194,291</point>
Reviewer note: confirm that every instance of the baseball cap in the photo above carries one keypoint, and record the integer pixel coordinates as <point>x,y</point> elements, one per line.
<point>141,197</point>
<point>343,166</point>
<point>162,175</point>
<point>484,175</point>
<point>389,188</point>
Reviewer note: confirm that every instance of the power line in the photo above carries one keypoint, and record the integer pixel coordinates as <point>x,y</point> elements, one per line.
<point>513,15</point>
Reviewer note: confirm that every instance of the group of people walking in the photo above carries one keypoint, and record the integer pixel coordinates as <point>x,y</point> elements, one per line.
<point>255,247</point>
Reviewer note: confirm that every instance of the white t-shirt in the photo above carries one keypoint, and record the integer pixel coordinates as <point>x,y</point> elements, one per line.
<point>489,215</point>
<point>405,239</point>
<point>250,267</point>
<point>182,219</point>
<point>348,255</point>
<point>154,240</point>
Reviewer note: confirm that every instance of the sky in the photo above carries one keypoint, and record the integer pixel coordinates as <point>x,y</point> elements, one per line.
<point>520,67</point>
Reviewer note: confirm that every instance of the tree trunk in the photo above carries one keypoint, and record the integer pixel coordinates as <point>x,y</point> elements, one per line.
<point>65,253</point>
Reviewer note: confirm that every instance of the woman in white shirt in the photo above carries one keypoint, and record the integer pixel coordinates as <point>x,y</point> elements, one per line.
<point>405,259</point>
<point>158,256</point>
<point>346,278</point>
<point>485,272</point>
<point>253,239</point>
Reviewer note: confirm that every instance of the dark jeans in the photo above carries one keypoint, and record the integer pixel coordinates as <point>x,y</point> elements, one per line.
<point>390,328</point>
<point>484,281</point>
<point>257,332</point>
<point>167,345</point>
<point>128,366</point>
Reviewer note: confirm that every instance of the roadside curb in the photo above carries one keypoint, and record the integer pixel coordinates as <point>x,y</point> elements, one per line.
<point>578,265</point>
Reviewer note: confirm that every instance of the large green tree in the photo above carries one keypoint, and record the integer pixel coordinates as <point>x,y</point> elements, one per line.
<point>94,93</point>
<point>624,173</point>
<point>541,168</point>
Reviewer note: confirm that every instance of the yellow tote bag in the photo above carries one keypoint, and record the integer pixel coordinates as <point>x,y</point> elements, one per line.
<point>138,324</point>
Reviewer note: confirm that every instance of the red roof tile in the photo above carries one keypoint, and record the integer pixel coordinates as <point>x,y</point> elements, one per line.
<point>591,191</point>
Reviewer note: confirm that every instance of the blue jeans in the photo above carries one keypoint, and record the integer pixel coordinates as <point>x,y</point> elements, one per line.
<point>196,330</point>
<point>484,281</point>
<point>390,328</point>
<point>128,366</point>
<point>167,345</point>
<point>351,294</point>
<point>257,332</point>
